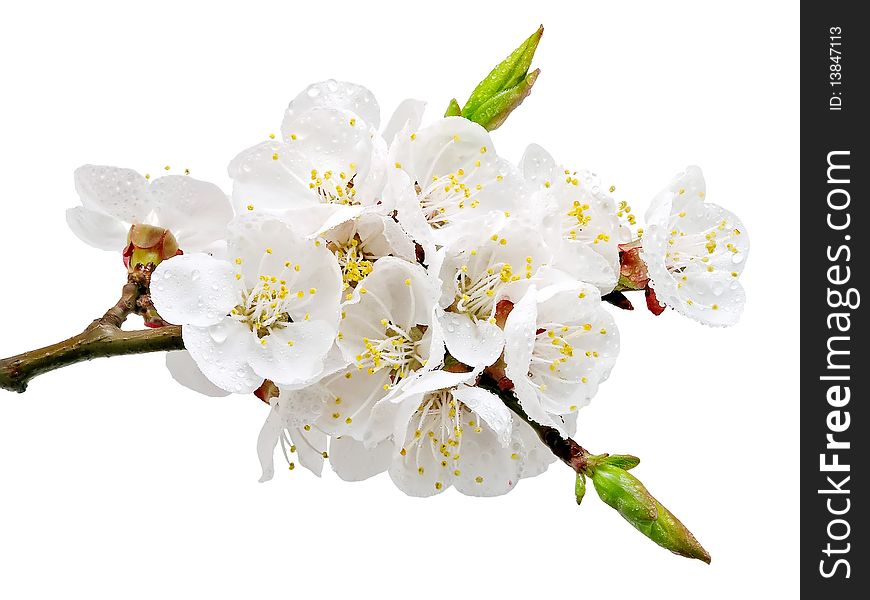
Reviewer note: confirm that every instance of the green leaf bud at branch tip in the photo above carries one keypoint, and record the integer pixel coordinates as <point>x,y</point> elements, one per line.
<point>624,492</point>
<point>508,74</point>
<point>503,90</point>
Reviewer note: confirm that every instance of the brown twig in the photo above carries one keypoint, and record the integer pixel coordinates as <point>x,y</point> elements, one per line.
<point>102,338</point>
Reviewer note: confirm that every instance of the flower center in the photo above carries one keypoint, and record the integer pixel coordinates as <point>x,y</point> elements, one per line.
<point>439,427</point>
<point>693,250</point>
<point>269,304</point>
<point>442,197</point>
<point>352,260</point>
<point>335,188</point>
<point>553,350</point>
<point>397,351</point>
<point>479,282</point>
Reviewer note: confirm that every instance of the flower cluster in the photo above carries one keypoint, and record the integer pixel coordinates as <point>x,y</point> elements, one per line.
<point>378,286</point>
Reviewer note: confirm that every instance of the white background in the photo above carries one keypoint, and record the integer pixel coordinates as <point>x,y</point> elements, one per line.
<point>117,483</point>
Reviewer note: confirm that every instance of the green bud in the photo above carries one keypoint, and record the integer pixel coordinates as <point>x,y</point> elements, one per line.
<point>510,73</point>
<point>622,491</point>
<point>453,109</point>
<point>580,487</point>
<point>623,461</point>
<point>496,110</point>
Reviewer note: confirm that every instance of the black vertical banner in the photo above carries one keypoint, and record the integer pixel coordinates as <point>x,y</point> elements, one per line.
<point>835,230</point>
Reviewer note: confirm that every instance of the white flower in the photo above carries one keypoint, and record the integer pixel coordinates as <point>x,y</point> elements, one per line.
<point>446,432</point>
<point>330,165</point>
<point>113,199</point>
<point>694,252</point>
<point>389,337</point>
<point>560,344</point>
<point>447,177</point>
<point>271,312</point>
<point>474,277</point>
<point>289,423</point>
<point>579,219</point>
<point>326,171</point>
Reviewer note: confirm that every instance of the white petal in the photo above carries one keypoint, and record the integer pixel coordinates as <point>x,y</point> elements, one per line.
<point>534,456</point>
<point>352,395</point>
<point>487,469</point>
<point>270,433</point>
<point>585,264</point>
<point>221,352</point>
<point>270,177</point>
<point>294,354</point>
<point>310,448</point>
<point>537,165</point>
<point>488,407</point>
<point>197,212</point>
<point>408,115</point>
<point>420,472</point>
<point>519,332</point>
<point>685,187</point>
<point>302,407</point>
<point>432,381</point>
<point>319,219</point>
<point>400,191</point>
<point>443,147</point>
<point>334,141</point>
<point>342,95</point>
<point>97,229</point>
<point>531,404</point>
<point>382,236</point>
<point>194,289</point>
<point>369,184</point>
<point>332,364</point>
<point>475,343</point>
<point>119,193</point>
<point>183,369</point>
<point>353,461</point>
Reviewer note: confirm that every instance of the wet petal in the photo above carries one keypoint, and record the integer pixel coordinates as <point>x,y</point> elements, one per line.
<point>194,289</point>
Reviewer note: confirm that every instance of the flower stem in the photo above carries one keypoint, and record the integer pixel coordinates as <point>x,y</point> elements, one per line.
<point>102,338</point>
